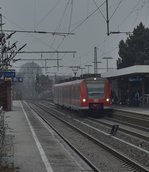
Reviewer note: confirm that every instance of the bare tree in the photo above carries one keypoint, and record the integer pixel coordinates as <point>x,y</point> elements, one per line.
<point>8,50</point>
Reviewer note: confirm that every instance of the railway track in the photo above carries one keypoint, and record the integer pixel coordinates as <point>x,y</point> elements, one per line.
<point>98,138</point>
<point>140,121</point>
<point>124,126</point>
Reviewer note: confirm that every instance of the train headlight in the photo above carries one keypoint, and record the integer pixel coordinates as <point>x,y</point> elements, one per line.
<point>107,99</point>
<point>84,100</point>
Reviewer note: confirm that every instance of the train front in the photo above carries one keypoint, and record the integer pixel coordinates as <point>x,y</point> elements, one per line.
<point>96,94</point>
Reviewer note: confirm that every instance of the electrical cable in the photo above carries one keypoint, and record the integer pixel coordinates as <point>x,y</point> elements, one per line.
<point>49,12</point>
<point>35,9</point>
<point>78,24</point>
<point>116,9</point>
<point>99,9</point>
<point>70,16</point>
<point>120,24</point>
<point>88,17</point>
<point>130,13</point>
<point>60,22</point>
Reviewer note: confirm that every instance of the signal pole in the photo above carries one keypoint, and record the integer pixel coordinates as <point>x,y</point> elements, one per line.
<point>57,61</point>
<point>95,60</point>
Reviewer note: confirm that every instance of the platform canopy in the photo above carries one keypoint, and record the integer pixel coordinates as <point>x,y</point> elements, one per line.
<point>137,69</point>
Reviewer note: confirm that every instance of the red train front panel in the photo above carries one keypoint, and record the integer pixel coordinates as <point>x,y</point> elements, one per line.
<point>95,94</point>
<point>87,94</point>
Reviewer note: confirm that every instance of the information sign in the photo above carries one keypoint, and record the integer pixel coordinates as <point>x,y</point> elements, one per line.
<point>7,73</point>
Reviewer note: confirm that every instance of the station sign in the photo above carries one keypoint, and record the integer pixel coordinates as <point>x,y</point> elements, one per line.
<point>7,73</point>
<point>135,78</point>
<point>10,75</point>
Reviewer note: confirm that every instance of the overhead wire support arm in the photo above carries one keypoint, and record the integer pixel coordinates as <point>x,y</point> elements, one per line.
<point>37,59</point>
<point>40,32</point>
<point>34,52</point>
<point>31,67</point>
<point>118,32</point>
<point>108,20</point>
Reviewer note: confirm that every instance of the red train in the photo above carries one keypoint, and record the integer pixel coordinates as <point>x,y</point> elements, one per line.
<point>90,94</point>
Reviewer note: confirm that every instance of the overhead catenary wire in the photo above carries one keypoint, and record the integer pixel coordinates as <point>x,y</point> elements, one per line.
<point>40,32</point>
<point>129,14</point>
<point>99,9</point>
<point>84,20</point>
<point>60,22</point>
<point>35,9</point>
<point>63,14</point>
<point>48,13</point>
<point>117,32</point>
<point>116,9</point>
<point>70,16</point>
<point>39,52</point>
<point>62,39</point>
<point>105,19</point>
<point>110,18</point>
<point>71,11</point>
<point>78,24</point>
<point>54,33</point>
<point>88,4</point>
<point>30,34</point>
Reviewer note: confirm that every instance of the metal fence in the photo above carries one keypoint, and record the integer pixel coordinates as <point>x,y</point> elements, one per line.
<point>2,134</point>
<point>6,141</point>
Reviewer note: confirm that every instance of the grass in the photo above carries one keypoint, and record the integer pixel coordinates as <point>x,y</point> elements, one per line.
<point>9,168</point>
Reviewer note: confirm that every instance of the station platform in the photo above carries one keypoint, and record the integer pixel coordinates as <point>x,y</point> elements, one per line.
<point>36,147</point>
<point>137,109</point>
<point>26,155</point>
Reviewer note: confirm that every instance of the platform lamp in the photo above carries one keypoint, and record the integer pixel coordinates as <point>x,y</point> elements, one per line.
<point>107,58</point>
<point>88,67</point>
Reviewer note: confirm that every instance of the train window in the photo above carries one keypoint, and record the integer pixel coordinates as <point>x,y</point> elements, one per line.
<point>95,89</point>
<point>78,92</point>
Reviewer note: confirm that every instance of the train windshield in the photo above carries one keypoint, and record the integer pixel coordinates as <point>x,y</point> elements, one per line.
<point>95,89</point>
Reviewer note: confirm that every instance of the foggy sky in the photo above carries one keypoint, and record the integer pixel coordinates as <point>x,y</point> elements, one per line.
<point>55,16</point>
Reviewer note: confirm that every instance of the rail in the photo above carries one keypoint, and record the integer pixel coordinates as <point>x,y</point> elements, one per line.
<point>116,153</point>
